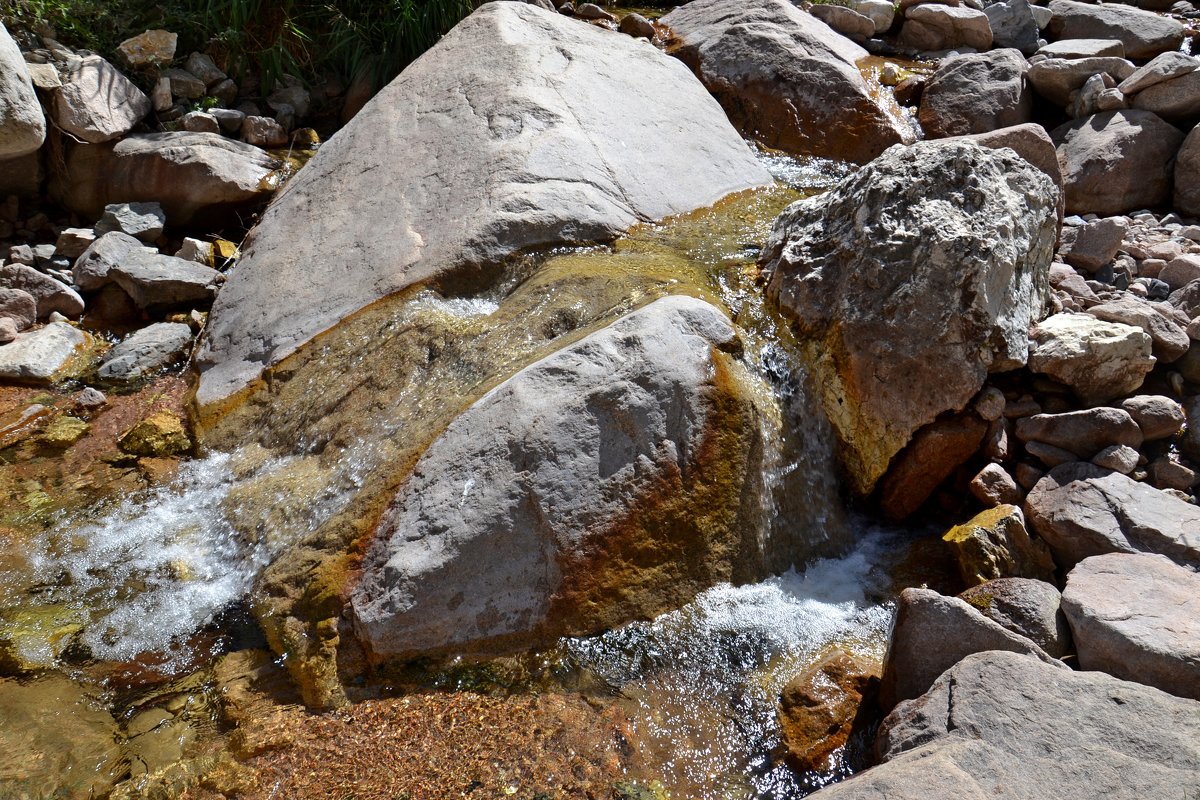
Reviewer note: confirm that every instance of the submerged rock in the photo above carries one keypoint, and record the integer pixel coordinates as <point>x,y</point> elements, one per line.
<point>823,708</point>
<point>1003,725</point>
<point>146,351</point>
<point>617,477</point>
<point>785,78</point>
<point>520,129</point>
<point>160,434</point>
<point>909,282</point>
<point>43,356</point>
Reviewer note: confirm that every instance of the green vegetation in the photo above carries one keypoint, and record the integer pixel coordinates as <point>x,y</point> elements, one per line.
<point>346,39</point>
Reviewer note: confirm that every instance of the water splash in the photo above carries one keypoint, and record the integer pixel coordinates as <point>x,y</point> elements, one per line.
<point>702,681</point>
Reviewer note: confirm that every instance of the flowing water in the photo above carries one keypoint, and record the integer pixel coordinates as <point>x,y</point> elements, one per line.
<point>157,580</point>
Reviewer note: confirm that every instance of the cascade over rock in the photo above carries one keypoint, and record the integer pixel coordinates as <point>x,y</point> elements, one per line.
<point>607,482</point>
<point>520,129</point>
<point>910,281</point>
<point>786,78</point>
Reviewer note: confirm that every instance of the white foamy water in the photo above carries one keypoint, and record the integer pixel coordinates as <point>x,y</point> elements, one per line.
<point>149,572</point>
<point>704,680</point>
<point>805,174</point>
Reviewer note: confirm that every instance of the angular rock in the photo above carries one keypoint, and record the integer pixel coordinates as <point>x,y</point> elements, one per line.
<point>263,132</point>
<point>22,124</point>
<point>157,280</point>
<point>936,27</point>
<point>1144,34</point>
<point>1176,100</point>
<point>1099,360</point>
<point>204,68</point>
<point>1187,175</point>
<point>200,122</point>
<point>72,242</point>
<point>539,156</point>
<point>1117,161</point>
<point>1168,472</point>
<point>1029,608</point>
<point>160,434</point>
<point>1160,68</point>
<point>1083,48</point>
<point>1137,617</point>
<point>822,708</point>
<point>146,351</point>
<point>19,306</point>
<point>42,356</point>
<point>1169,341</point>
<point>49,294</point>
<point>931,634</point>
<point>1013,25</point>
<point>881,12</point>
<point>1082,510</point>
<point>195,177</point>
<point>91,269</point>
<point>1031,142</point>
<point>1083,433</point>
<point>995,544</point>
<point>96,103</point>
<point>975,94</point>
<point>935,452</point>
<point>184,85</point>
<point>1159,417</point>
<point>993,486</point>
<point>865,272</point>
<point>595,472</point>
<point>785,78</point>
<point>1002,725</point>
<point>154,48</point>
<point>1119,457</point>
<point>143,221</point>
<point>1093,245</point>
<point>1056,78</point>
<point>1180,271</point>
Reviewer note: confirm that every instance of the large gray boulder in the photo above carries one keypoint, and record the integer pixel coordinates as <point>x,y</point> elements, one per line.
<point>933,26</point>
<point>1116,162</point>
<point>908,282</point>
<point>96,103</point>
<point>604,483</point>
<point>976,93</point>
<point>1009,727</point>
<point>195,177</point>
<point>520,129</point>
<point>1013,25</point>
<point>931,634</point>
<point>1137,617</point>
<point>1027,607</point>
<point>1176,99</point>
<point>49,294</point>
<point>1187,175</point>
<point>1143,33</point>
<point>1082,510</point>
<point>1031,142</point>
<point>786,78</point>
<point>22,124</point>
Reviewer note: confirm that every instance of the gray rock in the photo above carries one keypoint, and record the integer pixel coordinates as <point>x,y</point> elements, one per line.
<point>933,27</point>
<point>845,21</point>
<point>528,166</point>
<point>1082,510</point>
<point>1187,299</point>
<point>96,103</point>
<point>195,177</point>
<point>1111,100</point>
<point>1094,244</point>
<point>1187,175</point>
<point>785,78</point>
<point>554,468</point>
<point>637,26</point>
<point>1084,433</point>
<point>42,356</point>
<point>881,12</point>
<point>995,544</point>
<point>1167,472</point>
<point>184,85</point>
<point>263,132</point>
<point>1056,78</point>
<point>975,94</point>
<point>49,294</point>
<point>1002,725</point>
<point>145,352</point>
<point>1087,100</point>
<point>1099,360</point>
<point>1176,99</point>
<point>1083,48</point>
<point>91,398</point>
<point>1160,68</point>
<point>196,250</point>
<point>8,330</point>
<point>72,242</point>
<point>158,280</point>
<point>1031,142</point>
<point>19,306</point>
<point>1013,25</point>
<point>230,119</point>
<point>1117,161</point>
<point>593,11</point>
<point>143,221</point>
<point>200,122</point>
<point>993,486</point>
<point>1119,458</point>
<point>931,634</point>
<point>1137,617</point>
<point>1169,341</point>
<point>863,271</point>
<point>1159,417</point>
<point>91,269</point>
<point>203,67</point>
<point>1144,34</point>
<point>22,124</point>
<point>1180,271</point>
<point>1029,608</point>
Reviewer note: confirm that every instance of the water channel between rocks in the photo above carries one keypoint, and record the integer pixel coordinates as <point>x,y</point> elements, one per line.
<point>146,591</point>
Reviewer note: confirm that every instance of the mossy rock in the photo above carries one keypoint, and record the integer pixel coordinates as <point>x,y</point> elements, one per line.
<point>160,434</point>
<point>64,432</point>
